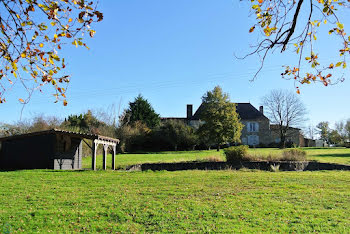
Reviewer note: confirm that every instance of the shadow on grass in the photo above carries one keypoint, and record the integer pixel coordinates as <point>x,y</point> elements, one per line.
<point>43,170</point>
<point>335,155</point>
<point>323,148</point>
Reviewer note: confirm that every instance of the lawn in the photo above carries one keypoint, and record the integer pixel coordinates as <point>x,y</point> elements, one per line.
<point>330,155</point>
<point>124,160</point>
<point>183,201</point>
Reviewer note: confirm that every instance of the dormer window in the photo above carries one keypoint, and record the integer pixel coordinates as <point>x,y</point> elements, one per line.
<point>253,127</point>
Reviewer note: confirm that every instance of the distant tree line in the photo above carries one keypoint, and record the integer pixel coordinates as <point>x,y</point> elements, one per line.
<point>340,135</point>
<point>140,128</point>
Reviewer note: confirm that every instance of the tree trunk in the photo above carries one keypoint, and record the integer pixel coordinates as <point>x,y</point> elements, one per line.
<point>283,142</point>
<point>218,149</point>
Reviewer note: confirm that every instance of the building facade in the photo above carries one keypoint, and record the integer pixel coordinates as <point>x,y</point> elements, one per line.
<point>256,130</point>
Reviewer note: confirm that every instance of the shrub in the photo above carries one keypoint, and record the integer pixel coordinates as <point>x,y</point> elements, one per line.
<point>236,153</point>
<point>176,135</point>
<point>294,154</point>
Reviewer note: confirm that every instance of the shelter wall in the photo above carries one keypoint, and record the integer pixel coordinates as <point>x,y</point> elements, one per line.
<point>34,152</point>
<point>68,153</point>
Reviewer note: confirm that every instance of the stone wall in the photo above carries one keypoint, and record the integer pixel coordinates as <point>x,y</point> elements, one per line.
<point>293,135</point>
<point>266,166</point>
<point>263,132</point>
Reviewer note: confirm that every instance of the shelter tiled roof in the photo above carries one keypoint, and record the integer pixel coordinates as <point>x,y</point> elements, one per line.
<point>58,131</point>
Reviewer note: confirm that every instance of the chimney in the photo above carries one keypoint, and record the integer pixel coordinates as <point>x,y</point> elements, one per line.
<point>189,111</point>
<point>261,109</point>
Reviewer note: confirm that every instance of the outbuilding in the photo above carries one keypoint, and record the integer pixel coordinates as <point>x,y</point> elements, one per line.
<point>52,149</point>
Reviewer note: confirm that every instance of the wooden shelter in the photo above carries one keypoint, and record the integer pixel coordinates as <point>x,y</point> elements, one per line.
<point>52,149</point>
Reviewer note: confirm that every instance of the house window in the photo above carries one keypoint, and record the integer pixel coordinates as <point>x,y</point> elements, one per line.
<point>253,127</point>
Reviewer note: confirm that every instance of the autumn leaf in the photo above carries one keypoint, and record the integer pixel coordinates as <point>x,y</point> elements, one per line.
<point>65,103</point>
<point>251,29</point>
<point>21,100</point>
<point>260,1</point>
<point>41,45</point>
<point>340,25</point>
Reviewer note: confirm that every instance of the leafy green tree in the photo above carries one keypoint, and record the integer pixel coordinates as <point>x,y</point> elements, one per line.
<point>221,123</point>
<point>340,128</point>
<point>334,137</point>
<point>178,134</point>
<point>323,130</point>
<point>32,32</point>
<point>140,110</point>
<point>347,129</point>
<point>84,123</point>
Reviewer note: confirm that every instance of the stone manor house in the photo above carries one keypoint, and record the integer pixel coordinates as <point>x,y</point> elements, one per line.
<point>257,129</point>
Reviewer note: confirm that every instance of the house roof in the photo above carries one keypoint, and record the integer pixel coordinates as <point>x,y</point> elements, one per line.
<point>58,131</point>
<point>246,111</point>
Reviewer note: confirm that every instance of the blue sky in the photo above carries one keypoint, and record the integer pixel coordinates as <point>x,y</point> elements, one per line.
<point>172,52</point>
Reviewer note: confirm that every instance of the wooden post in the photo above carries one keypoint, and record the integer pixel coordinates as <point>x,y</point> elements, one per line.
<point>93,150</point>
<point>113,157</point>
<point>105,151</point>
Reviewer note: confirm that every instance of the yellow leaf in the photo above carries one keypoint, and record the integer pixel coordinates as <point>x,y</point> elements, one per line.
<point>344,65</point>
<point>23,55</point>
<point>338,64</point>
<point>70,20</point>
<point>315,38</point>
<point>75,43</point>
<point>341,26</point>
<point>21,100</point>
<point>41,45</point>
<point>14,66</point>
<point>53,23</point>
<point>251,29</point>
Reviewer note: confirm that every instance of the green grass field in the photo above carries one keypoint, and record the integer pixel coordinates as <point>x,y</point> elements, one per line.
<point>330,155</point>
<point>183,201</point>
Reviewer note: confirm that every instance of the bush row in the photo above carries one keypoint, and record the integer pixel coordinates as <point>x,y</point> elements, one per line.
<point>240,153</point>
